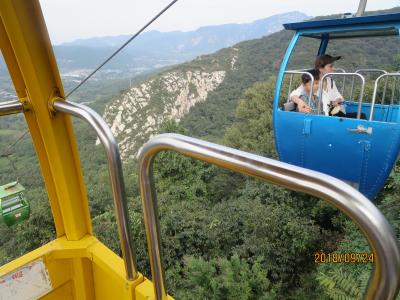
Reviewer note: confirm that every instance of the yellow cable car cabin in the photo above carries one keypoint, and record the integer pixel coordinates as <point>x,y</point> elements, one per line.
<point>76,265</point>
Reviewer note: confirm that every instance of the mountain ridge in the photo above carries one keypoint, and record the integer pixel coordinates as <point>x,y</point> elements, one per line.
<point>243,64</point>
<point>154,49</point>
<point>98,40</point>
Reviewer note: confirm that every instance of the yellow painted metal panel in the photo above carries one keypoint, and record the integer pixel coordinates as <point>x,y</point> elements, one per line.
<point>91,270</point>
<point>82,273</point>
<point>109,275</point>
<point>53,136</point>
<point>145,291</point>
<point>64,292</point>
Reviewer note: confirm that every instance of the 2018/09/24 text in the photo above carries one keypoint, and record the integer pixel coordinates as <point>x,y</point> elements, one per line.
<point>340,258</point>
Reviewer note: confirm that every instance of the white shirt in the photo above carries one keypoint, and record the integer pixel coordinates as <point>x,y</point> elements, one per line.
<point>305,96</point>
<point>330,95</point>
<point>300,91</point>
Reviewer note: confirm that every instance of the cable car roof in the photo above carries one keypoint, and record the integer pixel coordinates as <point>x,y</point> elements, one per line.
<point>10,189</point>
<point>377,25</point>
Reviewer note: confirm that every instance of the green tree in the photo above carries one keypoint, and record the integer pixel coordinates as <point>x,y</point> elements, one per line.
<point>223,278</point>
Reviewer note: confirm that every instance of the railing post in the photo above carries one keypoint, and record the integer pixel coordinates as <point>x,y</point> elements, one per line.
<point>385,278</point>
<point>344,78</point>
<point>11,107</point>
<point>115,172</point>
<point>360,71</point>
<point>395,75</point>
<point>321,84</point>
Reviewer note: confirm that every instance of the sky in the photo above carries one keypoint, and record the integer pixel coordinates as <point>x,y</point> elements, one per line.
<point>68,20</point>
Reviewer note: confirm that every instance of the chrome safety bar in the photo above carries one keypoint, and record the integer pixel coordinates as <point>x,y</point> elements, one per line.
<point>361,71</point>
<point>292,73</point>
<point>300,70</point>
<point>394,89</point>
<point>385,278</point>
<point>386,75</point>
<point>115,172</point>
<point>371,71</point>
<point>343,74</point>
<point>344,78</point>
<point>11,107</point>
<point>341,70</point>
<point>336,69</point>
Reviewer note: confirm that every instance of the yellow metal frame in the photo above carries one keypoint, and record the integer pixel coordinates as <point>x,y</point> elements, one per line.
<point>88,261</point>
<point>80,267</point>
<point>29,56</point>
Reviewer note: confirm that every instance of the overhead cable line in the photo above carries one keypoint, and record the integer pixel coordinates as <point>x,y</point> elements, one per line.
<point>6,153</point>
<point>122,47</point>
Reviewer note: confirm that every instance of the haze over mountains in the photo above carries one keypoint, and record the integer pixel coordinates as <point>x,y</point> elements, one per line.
<point>150,51</point>
<point>156,49</point>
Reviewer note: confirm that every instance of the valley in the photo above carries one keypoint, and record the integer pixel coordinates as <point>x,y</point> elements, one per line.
<point>224,236</point>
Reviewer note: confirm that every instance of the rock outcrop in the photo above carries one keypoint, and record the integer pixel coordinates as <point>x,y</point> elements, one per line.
<point>137,114</point>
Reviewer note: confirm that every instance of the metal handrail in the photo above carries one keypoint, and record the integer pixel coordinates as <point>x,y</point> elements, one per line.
<point>371,71</point>
<point>385,278</point>
<point>360,71</point>
<point>394,89</point>
<point>321,82</point>
<point>116,176</point>
<point>371,115</point>
<point>11,107</point>
<point>341,70</point>
<point>291,80</point>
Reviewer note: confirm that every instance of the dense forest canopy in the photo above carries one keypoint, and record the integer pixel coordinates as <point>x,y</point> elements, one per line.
<point>224,236</point>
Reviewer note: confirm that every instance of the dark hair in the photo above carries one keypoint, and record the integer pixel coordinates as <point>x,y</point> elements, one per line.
<point>323,60</point>
<point>306,78</point>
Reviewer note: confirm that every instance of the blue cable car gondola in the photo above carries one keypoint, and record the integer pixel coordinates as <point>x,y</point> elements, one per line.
<point>360,152</point>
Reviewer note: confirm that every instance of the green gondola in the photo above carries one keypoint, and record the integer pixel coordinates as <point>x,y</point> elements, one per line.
<point>14,207</point>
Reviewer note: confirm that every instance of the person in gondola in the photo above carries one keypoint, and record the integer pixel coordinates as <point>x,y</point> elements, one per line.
<point>332,100</point>
<point>300,96</point>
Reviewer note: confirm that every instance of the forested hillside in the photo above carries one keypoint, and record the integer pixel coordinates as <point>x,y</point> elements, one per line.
<point>224,236</point>
<point>136,115</point>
